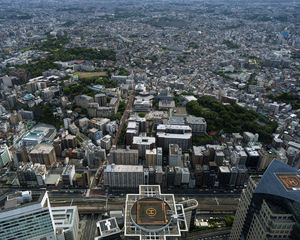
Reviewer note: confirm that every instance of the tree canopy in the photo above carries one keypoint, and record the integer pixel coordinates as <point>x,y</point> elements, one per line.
<point>231,118</point>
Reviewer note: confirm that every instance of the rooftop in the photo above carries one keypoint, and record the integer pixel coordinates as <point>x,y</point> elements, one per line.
<point>42,148</point>
<point>153,214</point>
<point>124,168</point>
<point>284,179</point>
<point>143,140</point>
<point>107,227</point>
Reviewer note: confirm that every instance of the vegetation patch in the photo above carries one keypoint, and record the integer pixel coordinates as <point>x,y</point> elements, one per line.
<point>231,118</point>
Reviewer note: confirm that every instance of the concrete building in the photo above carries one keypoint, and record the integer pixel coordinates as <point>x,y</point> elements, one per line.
<point>123,176</point>
<point>101,99</point>
<point>108,229</point>
<point>153,215</point>
<point>94,155</point>
<point>124,156</point>
<point>99,123</point>
<point>224,175</point>
<point>30,175</point>
<point>105,142</point>
<point>269,206</point>
<point>142,143</point>
<point>66,222</point>
<point>43,154</point>
<point>198,124</point>
<point>174,134</point>
<point>68,175</point>
<point>175,156</point>
<point>5,156</point>
<point>151,157</point>
<point>142,105</point>
<point>25,216</point>
<point>83,101</point>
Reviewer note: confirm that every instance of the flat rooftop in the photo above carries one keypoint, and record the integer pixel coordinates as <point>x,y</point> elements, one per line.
<point>42,148</point>
<point>151,211</point>
<point>291,182</point>
<point>124,168</point>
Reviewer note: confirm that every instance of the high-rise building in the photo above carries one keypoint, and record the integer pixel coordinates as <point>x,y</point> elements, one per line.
<point>94,155</point>
<point>151,214</point>
<point>101,99</point>
<point>44,154</point>
<point>198,124</point>
<point>124,156</point>
<point>124,176</point>
<point>66,222</point>
<point>175,156</point>
<point>142,144</point>
<point>270,206</point>
<point>25,216</point>
<point>68,175</point>
<point>174,134</point>
<point>5,156</point>
<point>32,175</point>
<point>153,157</point>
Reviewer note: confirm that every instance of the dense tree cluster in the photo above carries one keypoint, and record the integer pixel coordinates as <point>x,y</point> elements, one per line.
<point>231,118</point>
<point>57,52</point>
<point>82,86</point>
<point>288,98</point>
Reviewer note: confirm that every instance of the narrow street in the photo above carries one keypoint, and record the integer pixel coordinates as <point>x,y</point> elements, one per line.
<point>124,118</point>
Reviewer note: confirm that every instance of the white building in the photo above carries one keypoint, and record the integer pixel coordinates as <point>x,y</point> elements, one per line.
<point>26,217</point>
<point>5,156</point>
<point>123,176</point>
<point>175,156</point>
<point>174,134</point>
<point>142,143</point>
<point>66,221</point>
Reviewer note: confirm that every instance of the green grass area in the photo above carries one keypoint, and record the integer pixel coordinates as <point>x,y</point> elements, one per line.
<point>83,75</point>
<point>231,118</point>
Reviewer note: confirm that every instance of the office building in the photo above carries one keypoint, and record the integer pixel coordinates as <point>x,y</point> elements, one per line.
<point>174,134</point>
<point>175,156</point>
<point>5,156</point>
<point>101,99</point>
<point>142,143</point>
<point>68,175</point>
<point>124,156</point>
<point>83,100</point>
<point>25,216</point>
<point>106,142</point>
<point>123,176</point>
<point>253,159</point>
<point>43,154</point>
<point>224,175</point>
<point>197,155</point>
<point>108,229</point>
<point>198,124</point>
<point>66,222</point>
<point>269,206</point>
<point>94,155</point>
<point>142,105</point>
<point>30,175</point>
<point>151,157</point>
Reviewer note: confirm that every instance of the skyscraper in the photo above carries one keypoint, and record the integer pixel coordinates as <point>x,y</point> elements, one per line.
<point>26,216</point>
<point>270,206</point>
